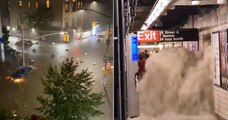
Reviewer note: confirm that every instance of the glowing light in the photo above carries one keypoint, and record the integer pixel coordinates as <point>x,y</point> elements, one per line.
<point>151,46</point>
<point>155,12</point>
<point>62,33</point>
<point>94,30</point>
<point>196,2</point>
<point>8,27</point>
<point>14,29</point>
<point>19,80</point>
<point>33,30</point>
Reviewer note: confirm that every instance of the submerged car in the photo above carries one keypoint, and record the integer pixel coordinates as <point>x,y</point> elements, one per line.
<point>100,37</point>
<point>20,73</point>
<point>27,43</point>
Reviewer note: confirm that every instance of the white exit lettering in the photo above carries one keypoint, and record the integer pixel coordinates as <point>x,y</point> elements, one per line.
<point>148,36</point>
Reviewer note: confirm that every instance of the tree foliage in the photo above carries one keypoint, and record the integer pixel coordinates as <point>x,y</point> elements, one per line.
<point>37,18</point>
<point>69,94</point>
<point>5,35</point>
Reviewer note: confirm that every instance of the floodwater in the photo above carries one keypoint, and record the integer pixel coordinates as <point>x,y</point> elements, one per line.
<point>178,85</point>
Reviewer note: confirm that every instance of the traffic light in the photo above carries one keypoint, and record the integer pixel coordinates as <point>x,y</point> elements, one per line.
<point>66,37</point>
<point>94,24</point>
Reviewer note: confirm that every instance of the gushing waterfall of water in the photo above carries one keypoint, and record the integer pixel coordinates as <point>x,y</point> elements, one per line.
<point>178,85</point>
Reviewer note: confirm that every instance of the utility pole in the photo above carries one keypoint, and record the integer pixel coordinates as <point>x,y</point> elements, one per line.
<point>23,46</point>
<point>2,44</point>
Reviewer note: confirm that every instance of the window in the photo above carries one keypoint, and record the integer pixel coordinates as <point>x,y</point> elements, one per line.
<point>29,5</point>
<point>48,3</point>
<point>37,4</point>
<point>74,6</point>
<point>66,6</point>
<point>20,3</point>
<point>80,5</point>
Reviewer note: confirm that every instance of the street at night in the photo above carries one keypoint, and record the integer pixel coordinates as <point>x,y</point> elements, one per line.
<point>21,97</point>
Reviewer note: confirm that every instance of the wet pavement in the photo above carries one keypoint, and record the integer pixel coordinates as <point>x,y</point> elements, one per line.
<point>22,96</point>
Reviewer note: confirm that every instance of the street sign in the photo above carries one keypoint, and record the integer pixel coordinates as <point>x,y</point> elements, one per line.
<point>1,40</point>
<point>179,35</point>
<point>152,36</point>
<point>134,48</point>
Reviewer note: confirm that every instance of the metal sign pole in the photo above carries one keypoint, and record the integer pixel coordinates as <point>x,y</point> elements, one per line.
<point>23,46</point>
<point>2,44</point>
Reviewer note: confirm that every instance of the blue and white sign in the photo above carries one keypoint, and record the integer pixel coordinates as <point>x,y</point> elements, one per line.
<point>134,48</point>
<point>1,40</point>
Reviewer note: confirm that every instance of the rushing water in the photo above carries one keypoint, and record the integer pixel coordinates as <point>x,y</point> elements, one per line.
<point>178,85</point>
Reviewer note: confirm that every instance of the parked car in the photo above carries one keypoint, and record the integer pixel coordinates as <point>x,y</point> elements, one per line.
<point>27,43</point>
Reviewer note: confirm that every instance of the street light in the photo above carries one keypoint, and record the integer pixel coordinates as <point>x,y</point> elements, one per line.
<point>106,59</point>
<point>109,27</point>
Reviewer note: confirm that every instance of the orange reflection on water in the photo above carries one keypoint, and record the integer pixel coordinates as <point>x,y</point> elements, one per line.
<point>19,80</point>
<point>15,80</point>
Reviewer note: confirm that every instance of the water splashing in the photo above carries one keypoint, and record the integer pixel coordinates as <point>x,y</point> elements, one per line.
<point>178,85</point>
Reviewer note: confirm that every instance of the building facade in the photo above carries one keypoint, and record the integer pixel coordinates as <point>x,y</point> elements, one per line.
<point>68,14</point>
<point>4,9</point>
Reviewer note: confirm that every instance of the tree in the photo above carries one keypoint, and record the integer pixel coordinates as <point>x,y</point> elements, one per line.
<point>69,94</point>
<point>6,35</point>
<point>38,18</point>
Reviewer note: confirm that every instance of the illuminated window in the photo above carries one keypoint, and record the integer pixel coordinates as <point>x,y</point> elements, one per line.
<point>66,6</point>
<point>81,4</point>
<point>29,5</point>
<point>37,4</point>
<point>78,7</point>
<point>48,3</point>
<point>20,3</point>
<point>74,6</point>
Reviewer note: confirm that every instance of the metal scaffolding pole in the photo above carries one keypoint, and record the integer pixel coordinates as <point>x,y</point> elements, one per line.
<point>23,46</point>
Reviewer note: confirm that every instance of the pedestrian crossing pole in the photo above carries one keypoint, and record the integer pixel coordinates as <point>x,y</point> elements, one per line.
<point>1,43</point>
